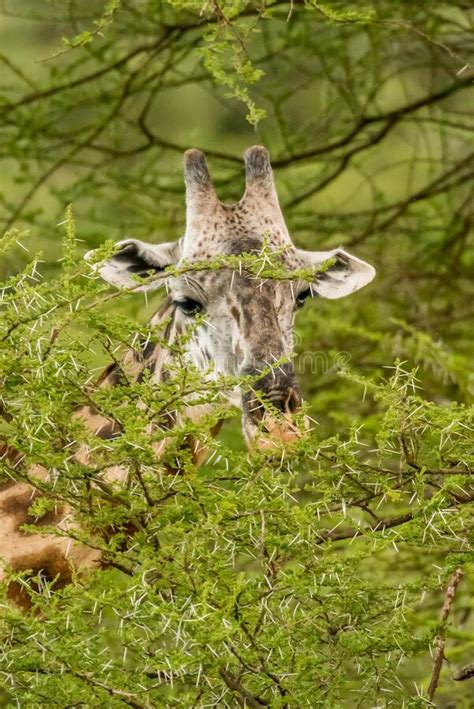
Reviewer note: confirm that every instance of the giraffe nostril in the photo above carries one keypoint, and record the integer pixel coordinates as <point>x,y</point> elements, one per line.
<point>278,390</point>
<point>287,401</point>
<point>293,401</point>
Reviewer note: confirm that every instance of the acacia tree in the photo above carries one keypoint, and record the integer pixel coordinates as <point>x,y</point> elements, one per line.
<point>341,575</point>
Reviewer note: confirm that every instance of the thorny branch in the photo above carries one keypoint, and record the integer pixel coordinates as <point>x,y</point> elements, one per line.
<point>244,697</point>
<point>441,638</point>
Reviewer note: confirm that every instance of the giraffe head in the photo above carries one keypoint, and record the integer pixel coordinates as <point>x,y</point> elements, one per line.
<point>246,323</point>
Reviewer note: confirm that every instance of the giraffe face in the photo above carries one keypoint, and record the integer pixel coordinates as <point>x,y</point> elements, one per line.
<point>244,323</point>
<point>244,326</point>
<point>241,324</point>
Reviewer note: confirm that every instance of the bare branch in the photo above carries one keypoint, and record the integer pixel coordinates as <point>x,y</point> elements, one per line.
<point>441,638</point>
<point>464,673</point>
<point>245,698</point>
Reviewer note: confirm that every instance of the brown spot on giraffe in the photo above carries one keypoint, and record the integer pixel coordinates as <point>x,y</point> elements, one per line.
<point>48,565</point>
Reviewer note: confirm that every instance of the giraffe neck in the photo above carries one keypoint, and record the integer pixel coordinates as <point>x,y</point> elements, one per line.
<point>150,357</point>
<point>52,557</point>
<point>153,358</point>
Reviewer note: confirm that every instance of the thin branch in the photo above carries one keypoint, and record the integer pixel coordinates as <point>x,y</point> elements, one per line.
<point>394,115</point>
<point>126,697</point>
<point>245,698</point>
<point>373,140</point>
<point>441,638</point>
<point>464,673</point>
<point>353,532</point>
<point>39,95</point>
<point>362,531</point>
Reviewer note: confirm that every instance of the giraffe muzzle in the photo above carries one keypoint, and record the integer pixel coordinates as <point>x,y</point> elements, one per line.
<point>269,407</point>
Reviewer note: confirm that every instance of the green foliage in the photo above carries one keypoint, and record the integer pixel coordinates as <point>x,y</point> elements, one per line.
<point>296,576</point>
<point>86,37</point>
<point>314,575</point>
<point>225,54</point>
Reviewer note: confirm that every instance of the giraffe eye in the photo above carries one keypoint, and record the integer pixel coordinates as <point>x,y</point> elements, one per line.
<point>188,306</point>
<point>302,297</point>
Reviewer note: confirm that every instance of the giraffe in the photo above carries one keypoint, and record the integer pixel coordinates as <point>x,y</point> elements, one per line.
<point>245,327</point>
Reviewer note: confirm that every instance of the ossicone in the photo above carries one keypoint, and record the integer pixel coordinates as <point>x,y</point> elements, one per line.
<point>196,173</point>
<point>257,165</point>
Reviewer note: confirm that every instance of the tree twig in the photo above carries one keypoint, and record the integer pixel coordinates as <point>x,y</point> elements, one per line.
<point>245,698</point>
<point>441,637</point>
<point>464,673</point>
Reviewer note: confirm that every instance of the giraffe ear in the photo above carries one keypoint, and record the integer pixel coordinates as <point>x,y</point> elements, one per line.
<point>137,258</point>
<point>344,276</point>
